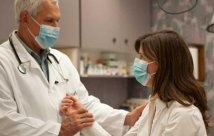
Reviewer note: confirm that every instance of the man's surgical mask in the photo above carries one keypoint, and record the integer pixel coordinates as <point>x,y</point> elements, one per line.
<point>47,36</point>
<point>140,71</point>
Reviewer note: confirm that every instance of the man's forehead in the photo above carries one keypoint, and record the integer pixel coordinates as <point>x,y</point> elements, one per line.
<point>47,5</point>
<point>52,1</point>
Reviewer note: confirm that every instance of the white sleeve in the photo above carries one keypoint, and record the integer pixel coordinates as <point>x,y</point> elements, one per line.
<point>94,130</point>
<point>189,123</point>
<point>105,115</point>
<point>13,123</point>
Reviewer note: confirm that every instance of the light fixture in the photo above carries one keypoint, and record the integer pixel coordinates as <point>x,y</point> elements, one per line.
<point>210,27</point>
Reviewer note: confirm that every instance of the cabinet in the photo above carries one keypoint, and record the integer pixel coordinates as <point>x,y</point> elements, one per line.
<point>135,20</point>
<point>69,23</point>
<point>114,25</point>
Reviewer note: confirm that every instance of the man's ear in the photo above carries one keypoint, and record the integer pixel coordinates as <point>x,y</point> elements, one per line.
<point>24,17</point>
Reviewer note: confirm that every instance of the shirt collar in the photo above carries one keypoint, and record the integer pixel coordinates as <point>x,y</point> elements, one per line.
<point>39,58</point>
<point>159,104</point>
<point>25,46</point>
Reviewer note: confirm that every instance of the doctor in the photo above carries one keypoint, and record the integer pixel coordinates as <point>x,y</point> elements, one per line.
<point>35,78</point>
<point>178,104</point>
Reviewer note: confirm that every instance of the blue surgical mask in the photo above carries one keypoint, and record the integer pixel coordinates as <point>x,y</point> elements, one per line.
<point>47,36</point>
<point>140,71</point>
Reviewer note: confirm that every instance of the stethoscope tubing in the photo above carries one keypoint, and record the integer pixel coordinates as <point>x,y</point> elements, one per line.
<point>20,67</point>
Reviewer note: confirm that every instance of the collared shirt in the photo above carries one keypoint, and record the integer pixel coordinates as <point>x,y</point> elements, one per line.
<point>41,59</point>
<point>175,120</point>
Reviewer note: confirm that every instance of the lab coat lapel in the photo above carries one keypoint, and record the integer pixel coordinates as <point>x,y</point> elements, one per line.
<point>24,56</point>
<point>27,60</point>
<point>152,109</point>
<point>53,74</point>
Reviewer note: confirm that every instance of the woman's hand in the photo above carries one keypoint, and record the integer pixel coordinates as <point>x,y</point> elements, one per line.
<point>70,104</point>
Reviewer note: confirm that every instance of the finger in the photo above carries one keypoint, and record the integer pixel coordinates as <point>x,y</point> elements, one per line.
<point>67,102</point>
<point>81,111</point>
<point>71,97</point>
<point>64,107</point>
<point>84,125</point>
<point>63,110</point>
<point>76,118</point>
<point>86,115</point>
<point>68,99</point>
<point>87,124</point>
<point>86,120</point>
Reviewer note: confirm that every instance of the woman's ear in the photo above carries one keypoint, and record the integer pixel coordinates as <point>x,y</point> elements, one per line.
<point>153,67</point>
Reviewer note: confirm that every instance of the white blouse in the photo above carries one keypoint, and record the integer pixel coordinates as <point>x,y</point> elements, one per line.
<point>174,120</point>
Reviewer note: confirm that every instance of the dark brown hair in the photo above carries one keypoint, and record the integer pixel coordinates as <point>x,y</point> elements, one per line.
<point>174,79</point>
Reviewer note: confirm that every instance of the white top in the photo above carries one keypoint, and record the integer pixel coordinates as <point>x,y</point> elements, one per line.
<point>176,120</point>
<point>29,104</point>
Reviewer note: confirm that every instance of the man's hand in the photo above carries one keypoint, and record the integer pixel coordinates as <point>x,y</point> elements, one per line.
<point>77,116</point>
<point>69,104</point>
<point>133,116</point>
<point>76,120</point>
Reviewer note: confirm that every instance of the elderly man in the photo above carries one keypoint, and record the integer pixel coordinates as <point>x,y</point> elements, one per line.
<point>35,78</point>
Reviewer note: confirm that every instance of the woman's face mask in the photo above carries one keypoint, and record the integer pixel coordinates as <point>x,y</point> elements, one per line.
<point>140,71</point>
<point>47,36</point>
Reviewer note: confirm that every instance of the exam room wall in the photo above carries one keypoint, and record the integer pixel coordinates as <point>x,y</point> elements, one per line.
<point>7,20</point>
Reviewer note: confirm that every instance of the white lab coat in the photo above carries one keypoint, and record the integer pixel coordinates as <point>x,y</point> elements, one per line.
<point>29,104</point>
<point>176,120</point>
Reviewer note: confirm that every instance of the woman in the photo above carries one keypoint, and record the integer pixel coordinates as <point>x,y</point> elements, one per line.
<point>178,102</point>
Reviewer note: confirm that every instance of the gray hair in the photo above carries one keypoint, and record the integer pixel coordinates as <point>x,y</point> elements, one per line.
<point>28,5</point>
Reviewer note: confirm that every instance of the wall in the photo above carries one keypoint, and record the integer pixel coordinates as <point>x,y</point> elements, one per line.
<point>192,26</point>
<point>7,21</point>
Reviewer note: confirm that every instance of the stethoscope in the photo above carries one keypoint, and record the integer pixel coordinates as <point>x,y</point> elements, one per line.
<point>23,70</point>
<point>20,67</point>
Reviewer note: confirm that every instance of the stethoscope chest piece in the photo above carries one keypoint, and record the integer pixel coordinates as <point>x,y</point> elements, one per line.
<point>22,69</point>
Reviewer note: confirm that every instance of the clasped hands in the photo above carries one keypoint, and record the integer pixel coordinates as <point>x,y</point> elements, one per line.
<point>78,117</point>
